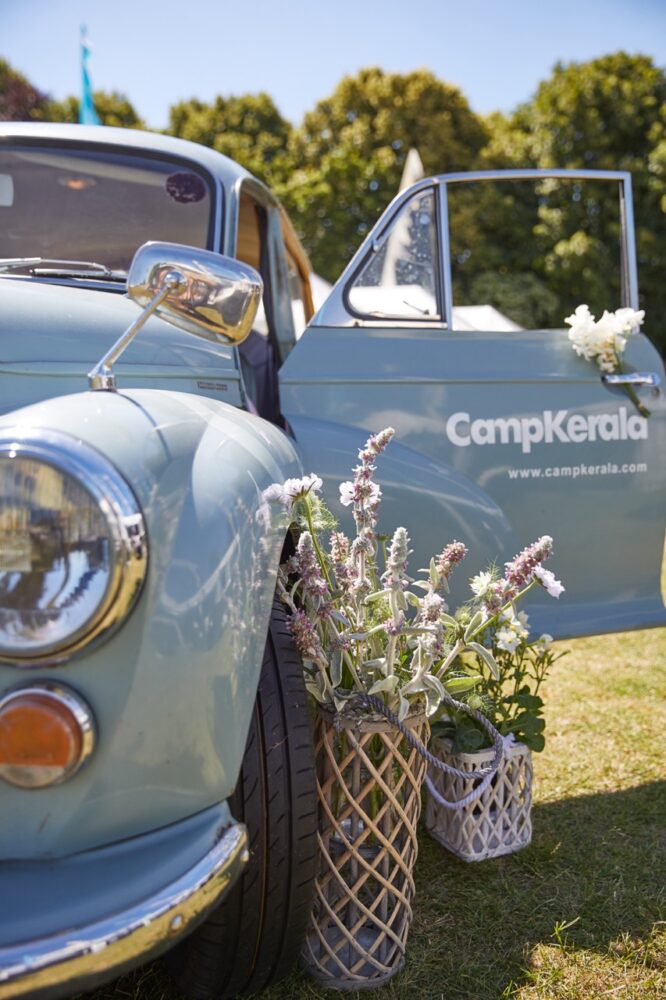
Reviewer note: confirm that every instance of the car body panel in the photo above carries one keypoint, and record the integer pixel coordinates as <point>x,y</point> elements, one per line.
<point>50,337</point>
<point>417,380</point>
<point>173,691</point>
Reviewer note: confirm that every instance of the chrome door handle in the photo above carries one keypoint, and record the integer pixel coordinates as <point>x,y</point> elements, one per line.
<point>634,378</point>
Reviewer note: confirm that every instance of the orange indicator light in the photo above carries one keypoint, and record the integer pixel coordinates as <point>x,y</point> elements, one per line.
<point>46,733</point>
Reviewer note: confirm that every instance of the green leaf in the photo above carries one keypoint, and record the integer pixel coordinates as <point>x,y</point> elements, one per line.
<point>336,668</point>
<point>388,684</point>
<point>535,743</point>
<point>476,621</point>
<point>433,702</point>
<point>314,690</point>
<point>527,724</point>
<point>467,739</point>
<point>488,657</point>
<point>448,620</point>
<point>377,664</point>
<point>434,684</point>
<point>528,701</point>
<point>459,685</point>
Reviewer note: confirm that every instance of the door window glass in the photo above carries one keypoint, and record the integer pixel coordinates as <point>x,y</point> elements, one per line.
<point>525,254</point>
<point>399,279</point>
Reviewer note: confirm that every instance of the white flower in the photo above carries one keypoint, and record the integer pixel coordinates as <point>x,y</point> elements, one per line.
<point>346,494</point>
<point>544,642</point>
<point>626,320</point>
<point>549,581</point>
<point>274,493</point>
<point>523,621</point>
<point>605,339</point>
<point>513,630</point>
<point>294,489</point>
<point>480,583</point>
<point>507,640</point>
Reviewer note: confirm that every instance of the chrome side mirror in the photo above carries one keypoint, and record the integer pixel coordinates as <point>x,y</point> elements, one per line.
<point>201,292</point>
<point>215,297</point>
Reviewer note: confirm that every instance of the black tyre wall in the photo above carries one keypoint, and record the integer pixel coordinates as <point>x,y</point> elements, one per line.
<point>253,938</point>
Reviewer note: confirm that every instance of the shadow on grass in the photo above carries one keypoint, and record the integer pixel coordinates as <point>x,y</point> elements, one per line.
<point>598,858</point>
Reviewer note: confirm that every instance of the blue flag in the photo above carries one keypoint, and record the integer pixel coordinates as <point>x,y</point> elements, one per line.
<point>87,113</point>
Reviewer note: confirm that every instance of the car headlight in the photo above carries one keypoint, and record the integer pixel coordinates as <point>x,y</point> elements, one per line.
<point>73,553</point>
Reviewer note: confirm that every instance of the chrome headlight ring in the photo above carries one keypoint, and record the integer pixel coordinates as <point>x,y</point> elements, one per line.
<point>66,510</point>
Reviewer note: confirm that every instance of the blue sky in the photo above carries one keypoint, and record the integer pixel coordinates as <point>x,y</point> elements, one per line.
<point>161,51</point>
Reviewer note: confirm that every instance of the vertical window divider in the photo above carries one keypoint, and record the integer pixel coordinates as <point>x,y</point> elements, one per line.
<point>444,254</point>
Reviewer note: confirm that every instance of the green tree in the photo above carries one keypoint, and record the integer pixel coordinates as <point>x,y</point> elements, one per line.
<point>350,152</point>
<point>19,100</point>
<point>248,128</point>
<point>608,113</point>
<point>113,109</point>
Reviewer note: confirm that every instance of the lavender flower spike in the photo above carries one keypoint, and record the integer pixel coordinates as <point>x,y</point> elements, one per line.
<point>520,570</point>
<point>450,556</point>
<point>375,445</point>
<point>304,562</point>
<point>395,578</point>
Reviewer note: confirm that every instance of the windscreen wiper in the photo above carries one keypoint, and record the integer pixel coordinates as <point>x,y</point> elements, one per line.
<point>54,267</point>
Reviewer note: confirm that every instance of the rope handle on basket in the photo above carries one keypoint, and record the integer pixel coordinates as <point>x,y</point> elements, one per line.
<point>486,774</point>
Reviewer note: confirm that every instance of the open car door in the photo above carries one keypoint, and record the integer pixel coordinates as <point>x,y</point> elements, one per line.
<point>498,401</point>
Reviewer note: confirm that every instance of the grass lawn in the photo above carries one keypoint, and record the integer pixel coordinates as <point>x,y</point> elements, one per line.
<point>581,912</point>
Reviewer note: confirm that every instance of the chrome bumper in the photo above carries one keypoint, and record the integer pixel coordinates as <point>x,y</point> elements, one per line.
<point>75,959</point>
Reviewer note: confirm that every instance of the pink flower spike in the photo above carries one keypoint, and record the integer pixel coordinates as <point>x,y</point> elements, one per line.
<point>519,571</point>
<point>375,445</point>
<point>450,556</point>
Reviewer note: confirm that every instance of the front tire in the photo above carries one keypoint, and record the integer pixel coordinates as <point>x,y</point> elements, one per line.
<point>254,937</point>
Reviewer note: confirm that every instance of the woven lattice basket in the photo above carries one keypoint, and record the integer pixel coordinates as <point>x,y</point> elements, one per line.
<point>499,821</point>
<point>369,782</point>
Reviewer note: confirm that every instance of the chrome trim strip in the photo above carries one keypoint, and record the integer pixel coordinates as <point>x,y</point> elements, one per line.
<point>81,711</point>
<point>651,379</point>
<point>127,533</point>
<point>628,245</point>
<point>530,174</point>
<point>79,956</point>
<point>219,215</point>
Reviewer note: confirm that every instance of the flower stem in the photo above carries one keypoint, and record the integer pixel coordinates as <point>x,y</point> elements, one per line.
<point>630,391</point>
<point>315,543</point>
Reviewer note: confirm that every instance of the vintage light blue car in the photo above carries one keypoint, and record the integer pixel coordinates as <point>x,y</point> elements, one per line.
<point>156,770</point>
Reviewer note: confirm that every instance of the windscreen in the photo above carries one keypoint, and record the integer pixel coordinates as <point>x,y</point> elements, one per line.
<point>97,206</point>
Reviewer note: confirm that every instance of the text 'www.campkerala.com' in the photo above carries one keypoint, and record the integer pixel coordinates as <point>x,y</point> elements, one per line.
<point>577,471</point>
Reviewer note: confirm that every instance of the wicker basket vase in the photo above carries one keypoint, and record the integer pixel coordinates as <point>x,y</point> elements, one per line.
<point>369,783</point>
<point>499,821</point>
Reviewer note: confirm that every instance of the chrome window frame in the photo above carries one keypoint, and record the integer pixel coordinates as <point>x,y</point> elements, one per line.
<point>336,311</point>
